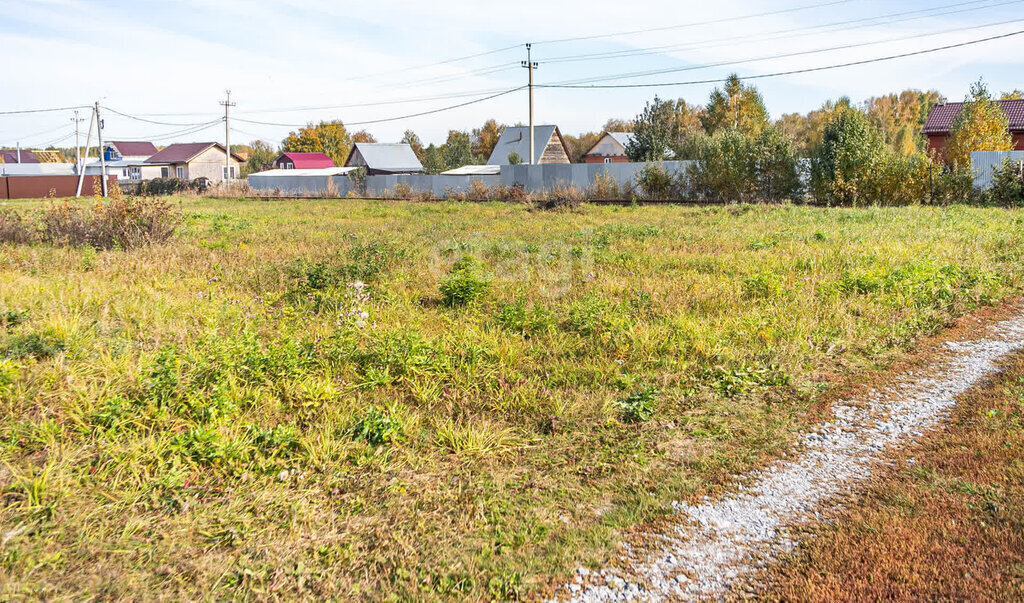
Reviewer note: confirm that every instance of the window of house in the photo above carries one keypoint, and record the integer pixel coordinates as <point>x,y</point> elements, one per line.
<point>180,171</point>
<point>289,166</point>
<point>163,172</point>
<point>607,159</point>
<point>135,173</point>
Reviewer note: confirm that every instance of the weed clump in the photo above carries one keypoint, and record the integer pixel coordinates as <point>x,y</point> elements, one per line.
<point>40,346</point>
<point>12,318</point>
<point>377,427</point>
<point>638,406</point>
<point>465,284</point>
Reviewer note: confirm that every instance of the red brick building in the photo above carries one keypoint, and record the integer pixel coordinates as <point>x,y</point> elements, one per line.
<point>940,121</point>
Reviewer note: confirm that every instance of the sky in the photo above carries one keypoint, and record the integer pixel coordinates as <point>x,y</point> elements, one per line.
<point>375,65</point>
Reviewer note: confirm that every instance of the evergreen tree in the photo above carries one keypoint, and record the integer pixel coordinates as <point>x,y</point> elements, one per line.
<point>737,107</point>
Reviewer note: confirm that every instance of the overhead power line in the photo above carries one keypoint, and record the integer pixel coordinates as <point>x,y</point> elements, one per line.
<point>784,55</point>
<point>149,121</point>
<point>696,23</point>
<point>789,72</point>
<point>788,34</point>
<point>389,119</point>
<point>23,111</point>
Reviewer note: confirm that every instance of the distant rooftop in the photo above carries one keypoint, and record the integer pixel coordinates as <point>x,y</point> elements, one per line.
<point>940,119</point>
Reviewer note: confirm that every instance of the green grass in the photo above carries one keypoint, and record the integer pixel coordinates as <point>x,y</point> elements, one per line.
<point>398,400</point>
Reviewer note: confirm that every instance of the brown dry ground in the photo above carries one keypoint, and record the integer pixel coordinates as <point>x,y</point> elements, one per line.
<point>944,522</point>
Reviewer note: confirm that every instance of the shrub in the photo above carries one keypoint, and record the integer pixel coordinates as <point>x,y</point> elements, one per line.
<point>725,171</point>
<point>604,186</point>
<point>117,223</point>
<point>776,167</point>
<point>762,286</point>
<point>1007,185</point>
<point>167,186</point>
<point>14,228</point>
<point>655,182</point>
<point>377,427</point>
<point>895,179</point>
<point>638,406</point>
<point>848,151</point>
<point>465,284</point>
<point>562,197</point>
<point>952,185</point>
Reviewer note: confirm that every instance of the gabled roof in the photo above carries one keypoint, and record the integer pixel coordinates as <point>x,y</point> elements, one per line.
<point>134,149</point>
<point>388,157</point>
<point>308,161</point>
<point>940,119</point>
<point>517,139</point>
<point>11,156</point>
<point>183,152</point>
<point>622,138</point>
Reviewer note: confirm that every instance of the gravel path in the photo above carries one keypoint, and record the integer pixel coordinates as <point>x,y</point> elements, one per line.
<point>725,538</point>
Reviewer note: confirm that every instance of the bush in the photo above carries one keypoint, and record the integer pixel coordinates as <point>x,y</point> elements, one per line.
<point>952,185</point>
<point>848,151</point>
<point>117,223</point>
<point>562,197</point>
<point>12,318</point>
<point>776,167</point>
<point>1007,185</point>
<point>895,179</point>
<point>604,186</point>
<point>725,171</point>
<point>14,228</point>
<point>655,182</point>
<point>170,186</point>
<point>638,406</point>
<point>465,284</point>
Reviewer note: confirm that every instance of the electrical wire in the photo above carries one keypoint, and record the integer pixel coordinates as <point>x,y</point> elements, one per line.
<point>787,34</point>
<point>193,130</point>
<point>24,111</point>
<point>149,121</point>
<point>390,119</point>
<point>637,74</point>
<point>696,23</point>
<point>789,72</point>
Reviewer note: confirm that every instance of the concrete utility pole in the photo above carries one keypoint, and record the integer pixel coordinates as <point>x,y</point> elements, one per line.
<point>78,148</point>
<point>227,136</point>
<point>88,137</point>
<point>530,65</point>
<point>99,142</point>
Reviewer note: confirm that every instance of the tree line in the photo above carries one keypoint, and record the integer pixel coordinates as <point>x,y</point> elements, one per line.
<point>734,119</point>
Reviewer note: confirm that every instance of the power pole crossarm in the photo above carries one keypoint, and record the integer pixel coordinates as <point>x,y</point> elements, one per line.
<point>227,136</point>
<point>530,65</point>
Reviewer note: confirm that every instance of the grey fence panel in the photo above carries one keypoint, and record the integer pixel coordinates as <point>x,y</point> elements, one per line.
<point>985,163</point>
<point>534,178</point>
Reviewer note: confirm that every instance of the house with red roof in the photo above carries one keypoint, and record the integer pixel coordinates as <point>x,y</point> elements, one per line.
<point>127,160</point>
<point>303,161</point>
<point>191,160</point>
<point>940,122</point>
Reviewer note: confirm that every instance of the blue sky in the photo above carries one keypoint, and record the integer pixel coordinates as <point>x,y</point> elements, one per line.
<point>293,61</point>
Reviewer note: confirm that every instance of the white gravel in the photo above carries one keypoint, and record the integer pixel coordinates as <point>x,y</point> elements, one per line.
<point>727,537</point>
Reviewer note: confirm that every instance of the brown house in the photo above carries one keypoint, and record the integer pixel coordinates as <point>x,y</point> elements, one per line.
<point>193,160</point>
<point>940,122</point>
<point>610,148</point>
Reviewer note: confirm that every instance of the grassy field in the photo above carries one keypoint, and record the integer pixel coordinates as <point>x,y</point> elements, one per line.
<point>372,400</point>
